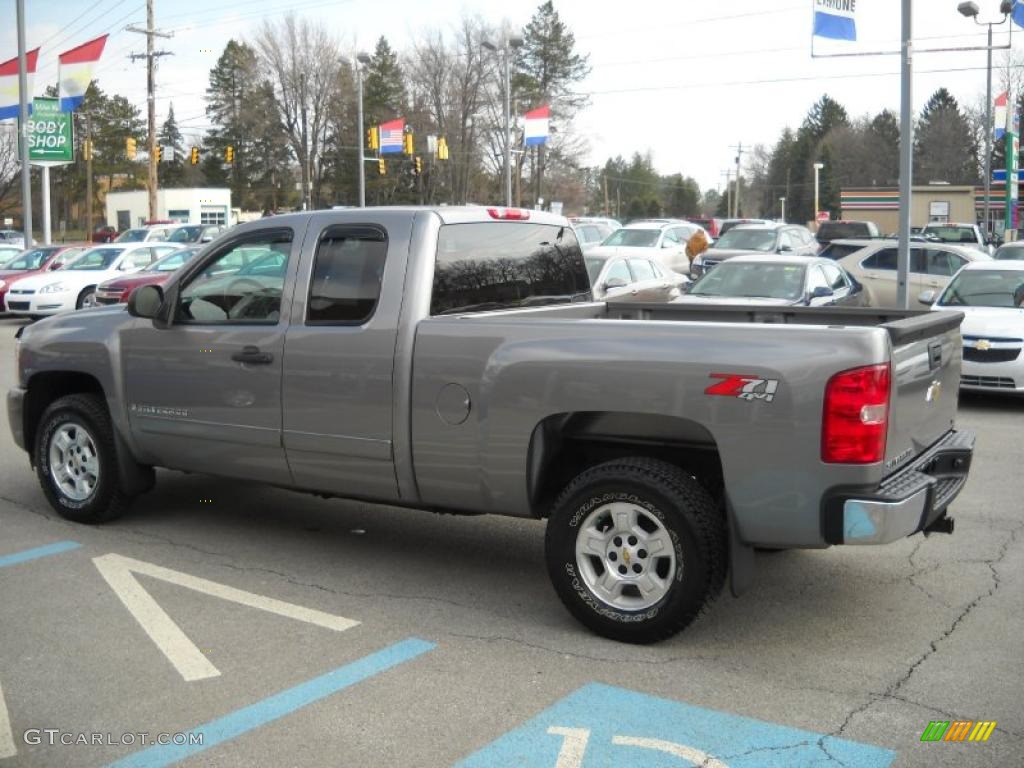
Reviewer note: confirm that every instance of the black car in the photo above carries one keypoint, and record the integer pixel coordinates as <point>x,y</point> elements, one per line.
<point>845,230</point>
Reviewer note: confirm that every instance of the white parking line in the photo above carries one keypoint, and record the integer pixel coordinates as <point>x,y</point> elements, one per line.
<point>7,748</point>
<point>190,662</point>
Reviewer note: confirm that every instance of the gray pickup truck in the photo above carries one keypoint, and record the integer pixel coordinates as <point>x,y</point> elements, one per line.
<point>452,359</point>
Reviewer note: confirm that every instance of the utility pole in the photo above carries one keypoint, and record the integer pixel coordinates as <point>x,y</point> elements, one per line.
<point>88,179</point>
<point>151,57</point>
<point>605,184</point>
<point>906,154</point>
<point>26,169</point>
<point>305,144</point>
<point>728,192</point>
<point>736,197</point>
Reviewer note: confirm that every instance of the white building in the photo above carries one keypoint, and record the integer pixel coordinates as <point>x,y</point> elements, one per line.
<point>193,205</point>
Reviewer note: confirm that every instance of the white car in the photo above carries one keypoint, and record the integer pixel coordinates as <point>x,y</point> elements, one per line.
<point>73,286</point>
<point>991,296</point>
<point>161,232</point>
<point>664,242</point>
<point>13,238</point>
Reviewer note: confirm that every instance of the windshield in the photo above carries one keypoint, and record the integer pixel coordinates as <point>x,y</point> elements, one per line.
<point>985,288</point>
<point>747,240</point>
<point>1014,252</point>
<point>952,234</point>
<point>171,261</point>
<point>637,238</point>
<point>593,267</point>
<point>30,259</point>
<point>97,258</point>
<point>132,236</point>
<point>185,235</point>
<point>747,280</point>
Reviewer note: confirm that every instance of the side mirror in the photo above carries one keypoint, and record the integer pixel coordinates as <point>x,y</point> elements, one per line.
<point>822,292</point>
<point>926,297</point>
<point>206,239</point>
<point>785,248</point>
<point>615,282</point>
<point>668,244</point>
<point>55,265</point>
<point>145,301</point>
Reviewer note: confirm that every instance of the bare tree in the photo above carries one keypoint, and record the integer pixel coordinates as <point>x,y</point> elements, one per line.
<point>8,164</point>
<point>300,59</point>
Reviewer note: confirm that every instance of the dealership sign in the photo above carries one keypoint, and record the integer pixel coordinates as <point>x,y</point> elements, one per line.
<point>50,133</point>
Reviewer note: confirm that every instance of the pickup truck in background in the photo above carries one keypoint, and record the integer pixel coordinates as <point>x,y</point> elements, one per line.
<point>451,359</point>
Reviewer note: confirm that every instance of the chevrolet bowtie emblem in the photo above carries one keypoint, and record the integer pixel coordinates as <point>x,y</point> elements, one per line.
<point>983,344</point>
<point>934,392</point>
<point>625,556</point>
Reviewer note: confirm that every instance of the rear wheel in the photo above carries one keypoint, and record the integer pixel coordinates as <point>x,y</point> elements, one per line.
<point>76,461</point>
<point>636,548</point>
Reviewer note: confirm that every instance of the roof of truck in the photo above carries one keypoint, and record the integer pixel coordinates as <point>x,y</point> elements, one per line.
<point>449,214</point>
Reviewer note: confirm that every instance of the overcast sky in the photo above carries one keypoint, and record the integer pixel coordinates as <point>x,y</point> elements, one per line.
<point>687,80</point>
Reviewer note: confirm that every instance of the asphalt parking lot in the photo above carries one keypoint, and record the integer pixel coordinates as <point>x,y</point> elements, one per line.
<point>280,629</point>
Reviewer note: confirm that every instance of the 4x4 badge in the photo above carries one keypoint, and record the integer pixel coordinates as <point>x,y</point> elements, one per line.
<point>743,386</point>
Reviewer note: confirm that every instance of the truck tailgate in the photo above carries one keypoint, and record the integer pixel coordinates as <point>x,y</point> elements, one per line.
<point>926,355</point>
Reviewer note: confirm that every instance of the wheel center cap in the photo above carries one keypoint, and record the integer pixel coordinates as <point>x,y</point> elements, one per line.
<point>625,556</point>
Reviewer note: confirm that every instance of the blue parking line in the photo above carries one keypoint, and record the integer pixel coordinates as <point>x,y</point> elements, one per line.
<point>277,706</point>
<point>32,554</point>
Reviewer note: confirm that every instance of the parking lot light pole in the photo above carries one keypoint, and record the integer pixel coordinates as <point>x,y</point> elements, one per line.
<point>970,11</point>
<point>362,59</point>
<point>507,46</point>
<point>817,205</point>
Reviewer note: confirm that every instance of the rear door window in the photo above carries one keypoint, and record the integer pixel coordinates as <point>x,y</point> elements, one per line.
<point>883,259</point>
<point>347,275</point>
<point>942,263</point>
<point>485,266</point>
<point>641,269</point>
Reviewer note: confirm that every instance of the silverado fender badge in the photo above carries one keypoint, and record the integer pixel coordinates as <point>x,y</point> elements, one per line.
<point>743,386</point>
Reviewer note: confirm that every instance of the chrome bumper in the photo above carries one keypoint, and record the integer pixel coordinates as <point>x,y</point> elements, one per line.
<point>914,499</point>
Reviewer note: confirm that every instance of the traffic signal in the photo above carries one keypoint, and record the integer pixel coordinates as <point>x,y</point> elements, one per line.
<point>407,147</point>
<point>87,149</point>
<point>158,153</point>
<point>442,148</point>
<point>417,165</point>
<point>382,168</point>
<point>195,155</point>
<point>129,148</point>
<point>372,138</point>
<point>229,154</point>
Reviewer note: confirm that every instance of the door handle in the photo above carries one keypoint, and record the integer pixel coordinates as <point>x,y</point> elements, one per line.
<point>251,354</point>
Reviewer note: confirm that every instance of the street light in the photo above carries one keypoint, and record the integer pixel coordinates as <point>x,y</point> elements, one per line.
<point>361,58</point>
<point>817,170</point>
<point>970,11</point>
<point>507,43</point>
<point>782,202</point>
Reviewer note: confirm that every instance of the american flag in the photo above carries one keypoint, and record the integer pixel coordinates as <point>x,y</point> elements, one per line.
<point>391,135</point>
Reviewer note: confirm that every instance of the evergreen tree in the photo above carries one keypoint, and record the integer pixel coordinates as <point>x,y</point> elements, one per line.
<point>547,67</point>
<point>172,167</point>
<point>884,138</point>
<point>384,99</point>
<point>824,116</point>
<point>945,148</point>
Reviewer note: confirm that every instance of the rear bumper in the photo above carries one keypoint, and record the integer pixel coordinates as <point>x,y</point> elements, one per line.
<point>905,503</point>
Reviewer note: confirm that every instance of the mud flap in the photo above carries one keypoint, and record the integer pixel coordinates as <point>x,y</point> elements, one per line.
<point>741,557</point>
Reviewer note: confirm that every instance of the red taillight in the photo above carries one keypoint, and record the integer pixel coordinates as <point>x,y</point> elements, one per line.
<point>509,214</point>
<point>856,416</point>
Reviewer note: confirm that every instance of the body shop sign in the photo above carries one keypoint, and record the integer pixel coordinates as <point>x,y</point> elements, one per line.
<point>50,133</point>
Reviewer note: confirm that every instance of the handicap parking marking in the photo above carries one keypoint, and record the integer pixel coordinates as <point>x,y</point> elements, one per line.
<point>7,748</point>
<point>601,726</point>
<point>277,706</point>
<point>32,554</point>
<point>192,664</point>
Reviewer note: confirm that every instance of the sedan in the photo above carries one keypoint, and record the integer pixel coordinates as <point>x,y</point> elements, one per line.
<point>73,286</point>
<point>660,241</point>
<point>35,261</point>
<point>118,290</point>
<point>632,279</point>
<point>931,268</point>
<point>991,296</point>
<point>188,234</point>
<point>776,281</point>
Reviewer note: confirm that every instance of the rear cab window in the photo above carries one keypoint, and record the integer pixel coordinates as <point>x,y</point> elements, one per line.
<point>487,266</point>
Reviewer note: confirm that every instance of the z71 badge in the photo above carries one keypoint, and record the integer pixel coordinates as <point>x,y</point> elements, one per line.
<point>743,386</point>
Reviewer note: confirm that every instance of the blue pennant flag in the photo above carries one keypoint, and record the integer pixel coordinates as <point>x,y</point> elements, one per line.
<point>835,19</point>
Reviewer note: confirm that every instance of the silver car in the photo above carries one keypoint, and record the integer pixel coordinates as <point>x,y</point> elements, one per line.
<point>621,278</point>
<point>791,239</point>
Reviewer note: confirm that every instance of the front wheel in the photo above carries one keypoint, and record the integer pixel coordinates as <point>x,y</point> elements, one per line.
<point>76,461</point>
<point>636,548</point>
<point>87,299</point>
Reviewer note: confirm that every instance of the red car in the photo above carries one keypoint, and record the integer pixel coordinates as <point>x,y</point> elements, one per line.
<point>34,261</point>
<point>118,290</point>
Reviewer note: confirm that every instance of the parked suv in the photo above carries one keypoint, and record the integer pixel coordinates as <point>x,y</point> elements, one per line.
<point>968,235</point>
<point>842,229</point>
<point>791,239</point>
